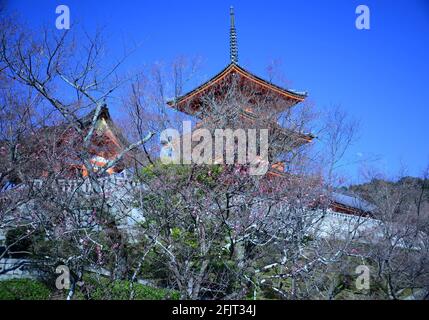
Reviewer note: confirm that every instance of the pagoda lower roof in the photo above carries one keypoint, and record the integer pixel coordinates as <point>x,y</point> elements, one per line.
<point>185,100</point>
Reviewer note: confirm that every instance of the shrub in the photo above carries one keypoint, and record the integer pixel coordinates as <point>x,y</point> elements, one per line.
<point>23,289</point>
<point>18,239</point>
<point>23,240</point>
<point>104,289</point>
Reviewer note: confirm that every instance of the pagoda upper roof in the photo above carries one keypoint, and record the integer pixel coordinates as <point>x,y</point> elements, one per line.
<point>192,97</point>
<point>113,131</point>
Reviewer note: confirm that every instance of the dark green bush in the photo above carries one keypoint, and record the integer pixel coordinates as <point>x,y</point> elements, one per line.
<point>18,239</point>
<point>104,289</point>
<point>23,241</point>
<point>23,289</point>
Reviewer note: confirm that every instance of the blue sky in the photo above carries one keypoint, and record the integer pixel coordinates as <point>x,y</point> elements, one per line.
<point>380,76</point>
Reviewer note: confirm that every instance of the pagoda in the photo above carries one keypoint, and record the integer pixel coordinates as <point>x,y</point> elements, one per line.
<point>264,102</point>
<point>62,145</point>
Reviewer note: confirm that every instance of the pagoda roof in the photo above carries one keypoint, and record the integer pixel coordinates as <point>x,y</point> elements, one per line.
<point>104,114</point>
<point>291,96</point>
<point>351,201</point>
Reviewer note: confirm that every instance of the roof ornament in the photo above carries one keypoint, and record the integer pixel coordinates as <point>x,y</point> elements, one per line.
<point>233,48</point>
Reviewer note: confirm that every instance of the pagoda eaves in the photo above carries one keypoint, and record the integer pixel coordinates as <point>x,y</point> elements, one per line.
<point>189,102</point>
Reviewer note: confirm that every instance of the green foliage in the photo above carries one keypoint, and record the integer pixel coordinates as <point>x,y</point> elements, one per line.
<point>159,169</point>
<point>176,233</point>
<point>148,172</point>
<point>186,238</point>
<point>23,289</point>
<point>23,240</point>
<point>180,172</point>
<point>209,175</point>
<point>18,238</point>
<point>154,268</point>
<point>104,289</point>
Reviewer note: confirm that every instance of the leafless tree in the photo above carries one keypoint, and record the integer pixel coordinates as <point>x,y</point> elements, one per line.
<point>399,249</point>
<point>53,78</point>
<point>222,233</point>
<point>208,230</point>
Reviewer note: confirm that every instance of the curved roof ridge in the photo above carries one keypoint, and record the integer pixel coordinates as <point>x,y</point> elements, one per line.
<point>292,94</point>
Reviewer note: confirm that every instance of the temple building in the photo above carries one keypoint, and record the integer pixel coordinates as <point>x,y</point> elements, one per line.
<point>62,146</point>
<point>248,101</point>
<point>232,98</point>
<point>261,103</point>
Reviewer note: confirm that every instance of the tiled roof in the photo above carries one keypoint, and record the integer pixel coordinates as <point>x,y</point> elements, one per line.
<point>352,201</point>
